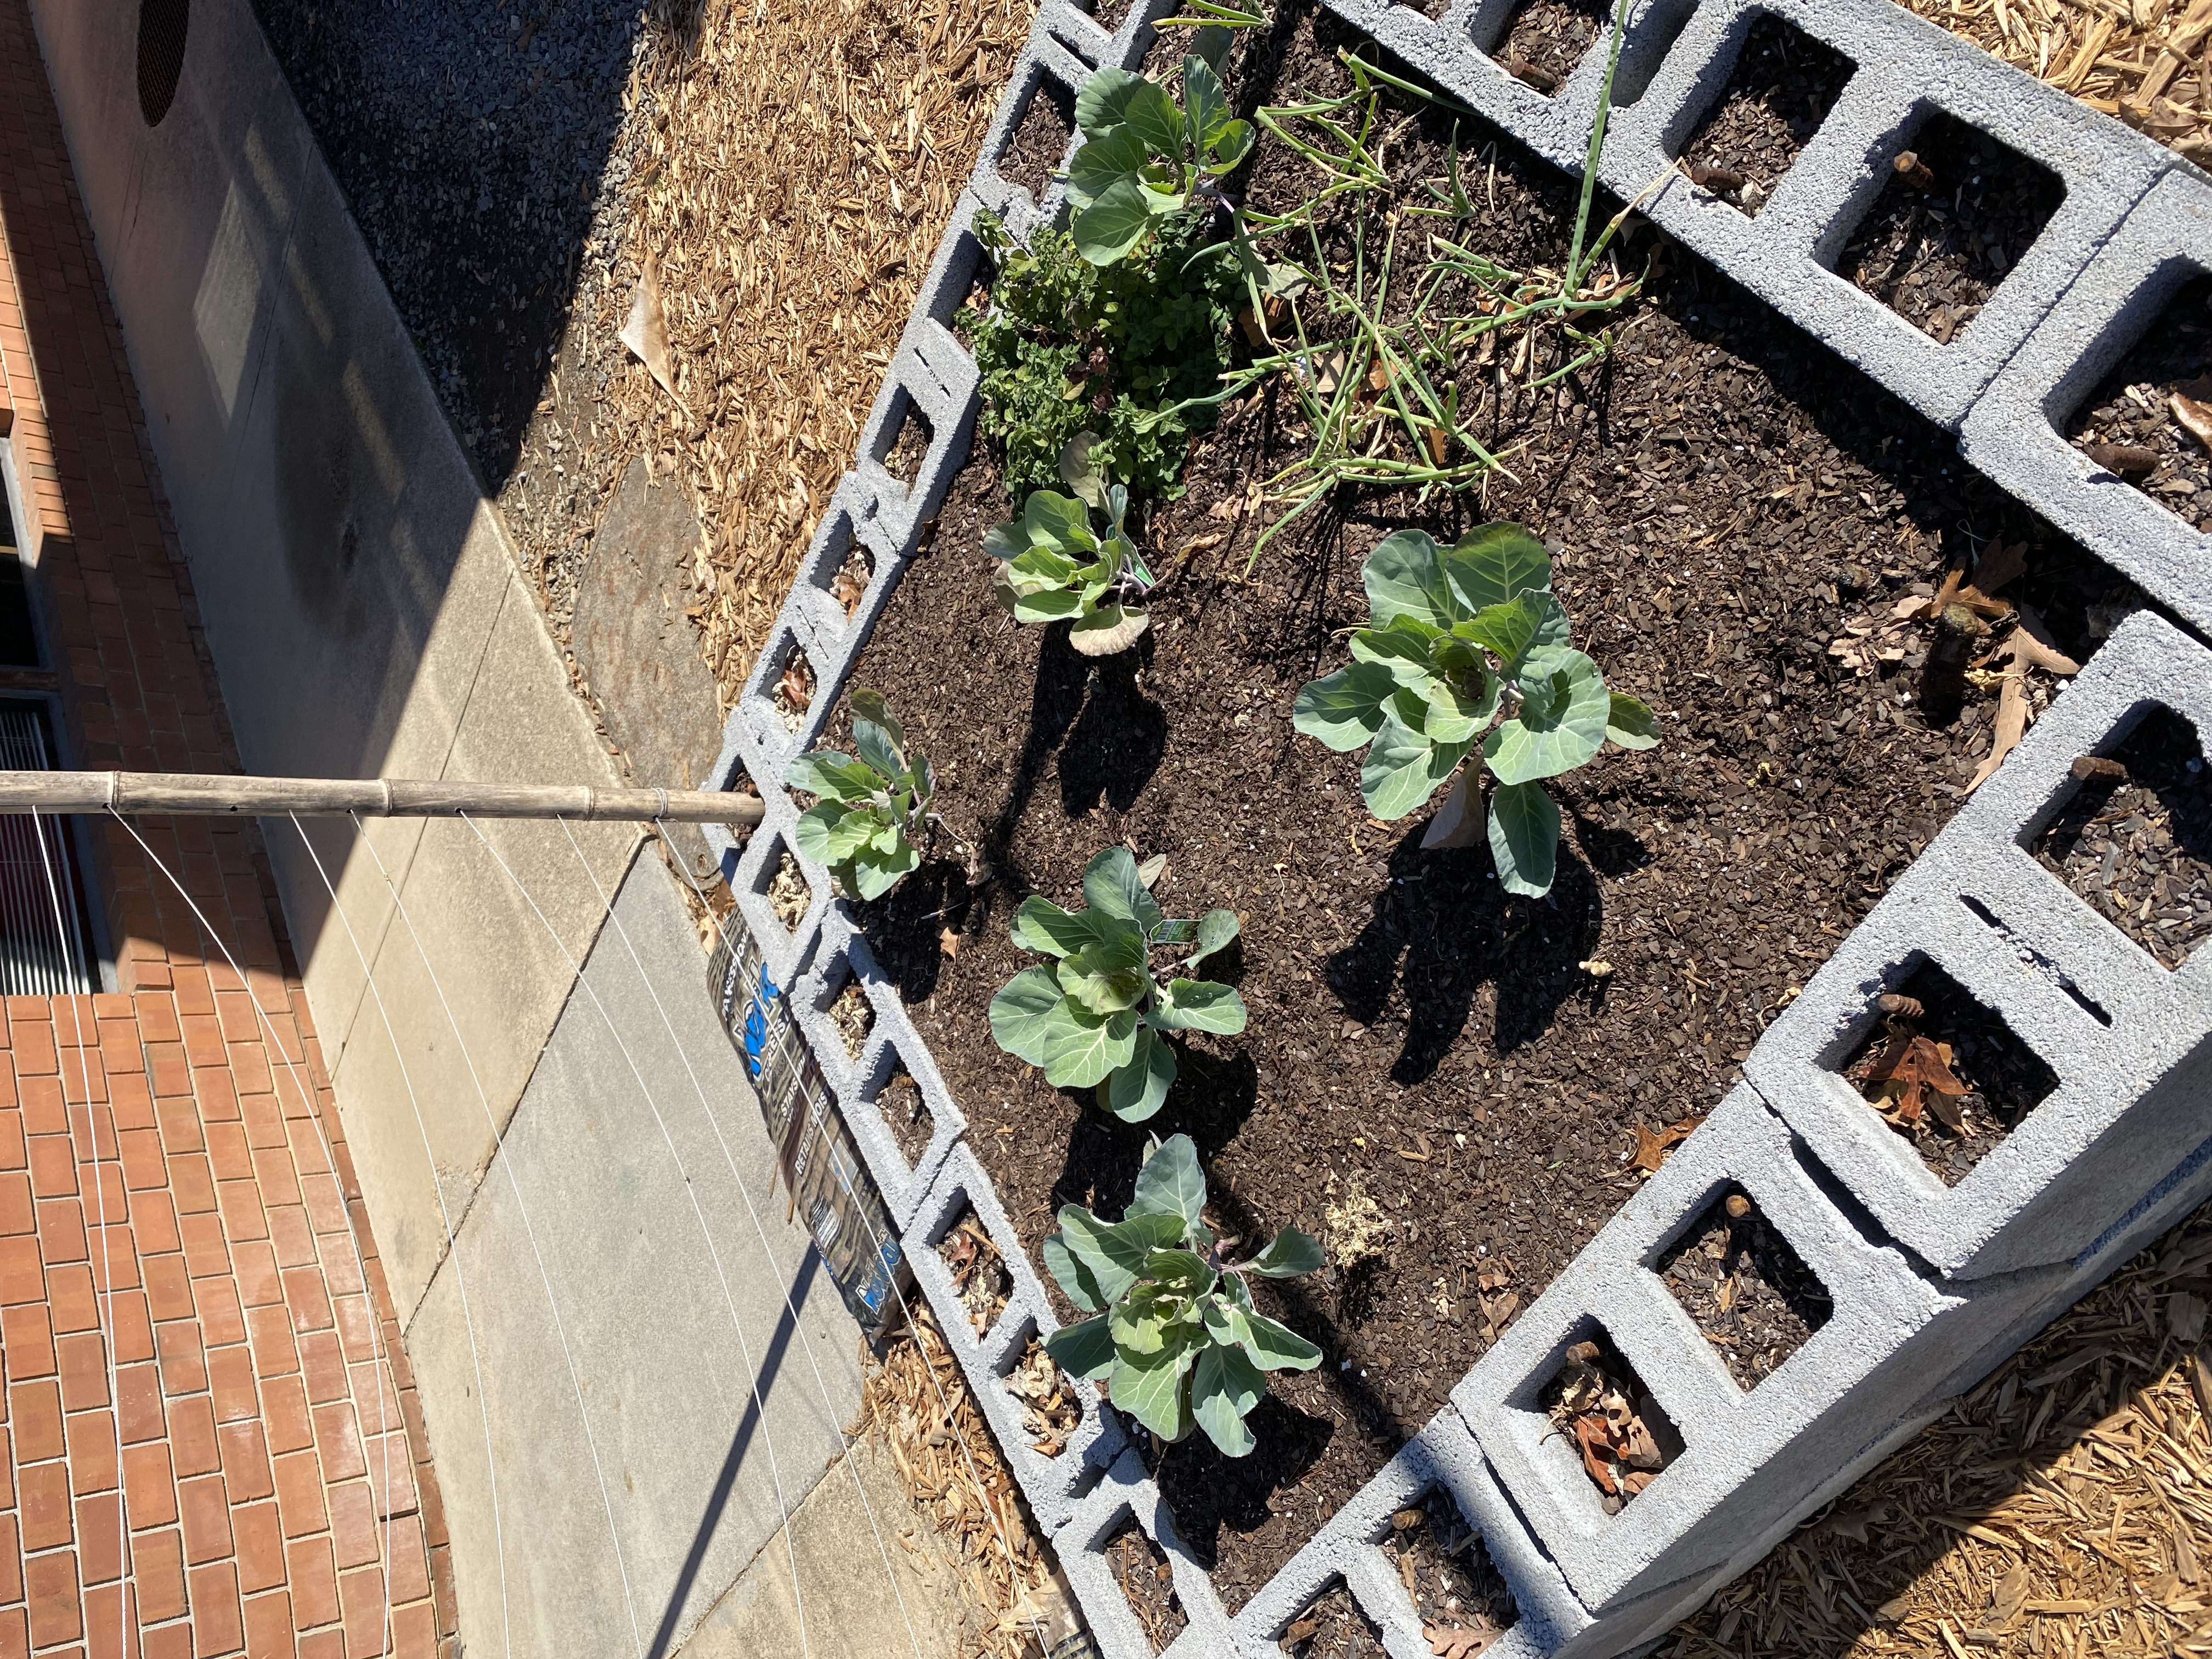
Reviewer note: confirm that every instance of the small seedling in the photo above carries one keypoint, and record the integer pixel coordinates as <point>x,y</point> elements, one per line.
<point>1054,567</point>
<point>869,810</point>
<point>1146,160</point>
<point>1173,1328</point>
<point>1456,640</point>
<point>1097,1017</point>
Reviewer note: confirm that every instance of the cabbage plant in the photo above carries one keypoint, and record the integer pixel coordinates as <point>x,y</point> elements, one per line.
<point>1173,1331</point>
<point>869,807</point>
<point>1465,650</point>
<point>1099,1017</point>
<point>1144,158</point>
<point>1052,565</point>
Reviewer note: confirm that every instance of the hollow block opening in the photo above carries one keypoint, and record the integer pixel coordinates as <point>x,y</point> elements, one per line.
<point>1744,1286</point>
<point>2149,421</point>
<point>794,688</point>
<point>853,1016</point>
<point>1545,38</point>
<point>785,888</point>
<point>1784,85</point>
<point>910,441</point>
<point>2134,838</point>
<point>1946,1072</point>
<point>1141,1567</point>
<point>905,1113</point>
<point>1040,138</point>
<point>1459,1595</point>
<point>1613,1426</point>
<point>1051,1409</point>
<point>1332,1626</point>
<point>1958,210</point>
<point>979,1272</point>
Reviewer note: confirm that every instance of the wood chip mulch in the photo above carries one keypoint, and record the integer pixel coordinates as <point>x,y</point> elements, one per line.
<point>2062,1508</point>
<point>2145,62</point>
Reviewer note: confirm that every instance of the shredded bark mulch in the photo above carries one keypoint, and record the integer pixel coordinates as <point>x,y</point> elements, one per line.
<point>1459,1595</point>
<point>1449,1076</point>
<point>1332,1627</point>
<point>1547,38</point>
<point>1995,1077</point>
<point>1940,237</point>
<point>2130,425</point>
<point>1746,1287</point>
<point>2138,847</point>
<point>1785,83</point>
<point>1141,1567</point>
<point>905,1113</point>
<point>979,1272</point>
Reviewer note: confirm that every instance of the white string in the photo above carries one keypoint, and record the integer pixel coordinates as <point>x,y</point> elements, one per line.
<point>544,1276</point>
<point>125,1610</point>
<point>330,1156</point>
<point>453,1245</point>
<point>738,1181</point>
<point>944,1405</point>
<point>729,1299</point>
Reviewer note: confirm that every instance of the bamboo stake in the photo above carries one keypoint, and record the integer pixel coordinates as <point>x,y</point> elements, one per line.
<point>197,793</point>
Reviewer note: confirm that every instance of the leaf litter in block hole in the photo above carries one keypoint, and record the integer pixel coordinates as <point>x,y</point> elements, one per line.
<point>2135,839</point>
<point>794,689</point>
<point>1947,1074</point>
<point>2149,420</point>
<point>1610,1420</point>
<point>1458,1594</point>
<point>1050,1410</point>
<point>853,1017</point>
<point>1332,1626</point>
<point>1957,211</point>
<point>850,583</point>
<point>1745,1287</point>
<point>979,1272</point>
<point>1141,1567</point>
<point>788,894</point>
<point>1785,83</point>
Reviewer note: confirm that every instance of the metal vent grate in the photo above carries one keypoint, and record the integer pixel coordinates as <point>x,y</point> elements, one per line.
<point>41,954</point>
<point>161,27</point>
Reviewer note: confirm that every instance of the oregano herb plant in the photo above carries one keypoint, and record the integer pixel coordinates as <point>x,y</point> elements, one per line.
<point>870,808</point>
<point>1052,565</point>
<point>1173,1331</point>
<point>1466,652</point>
<point>1099,1015</point>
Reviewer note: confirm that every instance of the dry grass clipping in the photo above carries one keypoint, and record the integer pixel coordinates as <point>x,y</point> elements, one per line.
<point>2063,1508</point>
<point>2148,61</point>
<point>954,1474</point>
<point>805,160</point>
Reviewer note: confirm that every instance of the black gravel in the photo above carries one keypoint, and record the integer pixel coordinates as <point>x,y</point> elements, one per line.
<point>481,146</point>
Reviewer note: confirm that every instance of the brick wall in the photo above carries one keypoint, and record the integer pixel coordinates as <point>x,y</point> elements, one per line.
<point>186,1271</point>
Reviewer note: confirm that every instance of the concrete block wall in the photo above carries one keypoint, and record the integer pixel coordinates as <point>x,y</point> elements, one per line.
<point>1932,1286</point>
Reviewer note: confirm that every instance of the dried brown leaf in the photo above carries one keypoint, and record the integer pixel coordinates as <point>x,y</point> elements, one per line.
<point>1458,1641</point>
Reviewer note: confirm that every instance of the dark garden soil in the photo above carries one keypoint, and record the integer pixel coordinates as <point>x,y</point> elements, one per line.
<point>1442,1082</point>
<point>2130,425</point>
<point>906,1115</point>
<point>1940,238</point>
<point>2138,847</point>
<point>1040,143</point>
<point>2004,1079</point>
<point>1141,1567</point>
<point>1785,83</point>
<point>1750,1293</point>
<point>1547,38</point>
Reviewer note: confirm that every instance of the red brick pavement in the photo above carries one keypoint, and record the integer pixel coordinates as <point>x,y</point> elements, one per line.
<point>209,1439</point>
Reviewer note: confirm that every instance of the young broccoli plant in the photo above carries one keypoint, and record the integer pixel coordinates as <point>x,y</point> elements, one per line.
<point>1097,1015</point>
<point>1144,158</point>
<point>868,809</point>
<point>1054,566</point>
<point>1456,641</point>
<point>1173,1328</point>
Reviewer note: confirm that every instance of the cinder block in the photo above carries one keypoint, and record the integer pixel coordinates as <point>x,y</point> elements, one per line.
<point>1348,1546</point>
<point>1126,1492</point>
<point>1908,70</point>
<point>1052,1484</point>
<point>932,378</point>
<point>1455,53</point>
<point>850,519</point>
<point>2130,1043</point>
<point>892,1046</point>
<point>784,950</point>
<point>1749,1459</point>
<point>2012,432</point>
<point>1044,60</point>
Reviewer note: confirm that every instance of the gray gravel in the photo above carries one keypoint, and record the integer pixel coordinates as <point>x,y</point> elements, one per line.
<point>482,147</point>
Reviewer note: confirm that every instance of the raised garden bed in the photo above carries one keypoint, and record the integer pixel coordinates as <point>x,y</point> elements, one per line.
<point>1442,1082</point>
